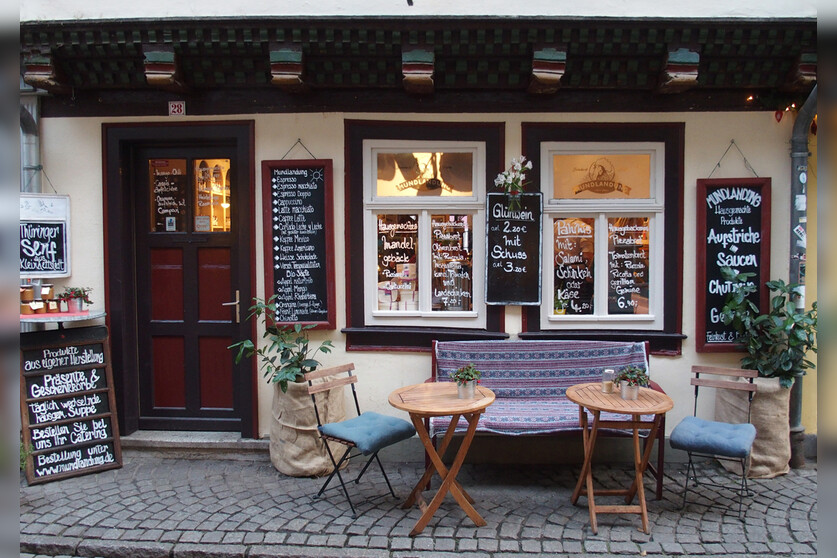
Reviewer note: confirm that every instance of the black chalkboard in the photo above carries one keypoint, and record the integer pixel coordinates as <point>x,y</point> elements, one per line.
<point>68,403</point>
<point>43,248</point>
<point>513,254</point>
<point>168,202</point>
<point>733,231</point>
<point>299,246</point>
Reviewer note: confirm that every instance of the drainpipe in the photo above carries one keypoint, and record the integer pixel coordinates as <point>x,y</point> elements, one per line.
<point>30,156</point>
<point>798,222</point>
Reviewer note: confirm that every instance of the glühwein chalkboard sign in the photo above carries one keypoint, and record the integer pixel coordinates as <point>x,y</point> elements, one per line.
<point>733,217</point>
<point>299,245</point>
<point>44,235</point>
<point>513,272</point>
<point>67,402</point>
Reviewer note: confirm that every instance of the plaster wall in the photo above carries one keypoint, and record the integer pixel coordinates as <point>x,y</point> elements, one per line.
<point>72,157</point>
<point>47,10</point>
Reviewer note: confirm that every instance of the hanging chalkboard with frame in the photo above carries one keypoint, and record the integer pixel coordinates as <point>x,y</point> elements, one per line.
<point>298,240</point>
<point>67,403</point>
<point>44,235</point>
<point>513,262</point>
<point>733,230</point>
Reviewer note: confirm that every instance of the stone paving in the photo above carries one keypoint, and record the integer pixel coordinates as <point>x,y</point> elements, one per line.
<point>175,507</point>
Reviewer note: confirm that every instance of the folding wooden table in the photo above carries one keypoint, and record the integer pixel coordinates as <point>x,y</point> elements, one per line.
<point>590,396</point>
<point>435,399</point>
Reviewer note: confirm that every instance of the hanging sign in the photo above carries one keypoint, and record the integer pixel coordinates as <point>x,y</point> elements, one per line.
<point>44,235</point>
<point>513,272</point>
<point>298,240</point>
<point>68,409</point>
<point>733,230</point>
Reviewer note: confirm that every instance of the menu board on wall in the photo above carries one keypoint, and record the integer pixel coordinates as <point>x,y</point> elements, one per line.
<point>168,194</point>
<point>733,217</point>
<point>68,409</point>
<point>513,272</point>
<point>44,235</point>
<point>299,246</point>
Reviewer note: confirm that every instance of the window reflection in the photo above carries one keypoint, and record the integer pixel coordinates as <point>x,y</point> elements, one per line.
<point>212,195</point>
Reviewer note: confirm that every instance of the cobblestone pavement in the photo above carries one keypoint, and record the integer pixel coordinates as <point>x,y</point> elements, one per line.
<point>175,507</point>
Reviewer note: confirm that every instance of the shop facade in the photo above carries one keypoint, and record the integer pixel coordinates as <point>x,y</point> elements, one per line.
<point>181,143</point>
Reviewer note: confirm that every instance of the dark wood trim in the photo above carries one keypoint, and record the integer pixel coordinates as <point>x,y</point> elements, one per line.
<point>119,141</point>
<point>360,336</point>
<point>672,135</point>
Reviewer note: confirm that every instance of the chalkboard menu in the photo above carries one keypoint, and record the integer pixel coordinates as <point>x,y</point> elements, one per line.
<point>168,194</point>
<point>299,245</point>
<point>628,252</point>
<point>574,265</point>
<point>513,272</point>
<point>67,402</point>
<point>44,235</point>
<point>733,216</point>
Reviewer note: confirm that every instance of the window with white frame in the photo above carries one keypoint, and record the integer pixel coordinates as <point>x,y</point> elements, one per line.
<point>424,233</point>
<point>604,238</point>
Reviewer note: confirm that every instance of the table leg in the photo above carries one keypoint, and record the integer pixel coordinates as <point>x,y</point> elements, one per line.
<point>449,483</point>
<point>586,476</point>
<point>638,470</point>
<point>655,427</point>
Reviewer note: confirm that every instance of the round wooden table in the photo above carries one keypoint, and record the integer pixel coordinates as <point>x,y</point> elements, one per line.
<point>435,399</point>
<point>590,397</point>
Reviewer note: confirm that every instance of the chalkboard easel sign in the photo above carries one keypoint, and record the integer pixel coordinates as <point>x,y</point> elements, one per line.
<point>298,241</point>
<point>733,230</point>
<point>44,235</point>
<point>513,268</point>
<point>67,402</point>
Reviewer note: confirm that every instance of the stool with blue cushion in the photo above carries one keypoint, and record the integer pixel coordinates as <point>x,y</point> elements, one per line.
<point>719,440</point>
<point>368,432</point>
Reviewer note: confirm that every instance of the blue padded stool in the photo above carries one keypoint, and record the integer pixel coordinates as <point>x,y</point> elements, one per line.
<point>718,440</point>
<point>368,432</point>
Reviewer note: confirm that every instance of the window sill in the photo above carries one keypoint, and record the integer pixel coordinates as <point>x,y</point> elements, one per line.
<point>660,343</point>
<point>418,339</point>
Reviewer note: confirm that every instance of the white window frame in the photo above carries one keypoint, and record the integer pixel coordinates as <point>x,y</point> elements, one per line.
<point>601,210</point>
<point>424,207</point>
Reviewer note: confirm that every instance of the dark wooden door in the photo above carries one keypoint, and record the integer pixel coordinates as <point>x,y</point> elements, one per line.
<point>187,250</point>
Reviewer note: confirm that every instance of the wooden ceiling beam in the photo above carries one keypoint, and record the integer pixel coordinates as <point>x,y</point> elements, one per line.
<point>417,67</point>
<point>41,72</point>
<point>287,67</point>
<point>161,68</point>
<point>680,72</point>
<point>548,67</point>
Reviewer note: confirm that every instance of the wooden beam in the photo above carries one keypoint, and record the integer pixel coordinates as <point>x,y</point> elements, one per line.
<point>41,72</point>
<point>417,66</point>
<point>162,70</point>
<point>681,70</point>
<point>287,67</point>
<point>804,73</point>
<point>548,67</point>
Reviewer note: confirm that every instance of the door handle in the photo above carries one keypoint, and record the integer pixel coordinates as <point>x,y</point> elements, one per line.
<point>237,307</point>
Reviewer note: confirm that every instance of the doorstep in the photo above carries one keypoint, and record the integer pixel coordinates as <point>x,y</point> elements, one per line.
<point>189,444</point>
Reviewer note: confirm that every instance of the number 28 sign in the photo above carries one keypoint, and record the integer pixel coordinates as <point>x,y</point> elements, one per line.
<point>177,108</point>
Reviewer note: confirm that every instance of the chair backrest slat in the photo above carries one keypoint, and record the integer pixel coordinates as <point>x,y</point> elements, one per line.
<point>331,384</point>
<point>737,372</point>
<point>724,384</point>
<point>323,372</point>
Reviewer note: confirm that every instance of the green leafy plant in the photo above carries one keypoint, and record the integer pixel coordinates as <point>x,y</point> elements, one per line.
<point>633,375</point>
<point>466,373</point>
<point>512,182</point>
<point>288,353</point>
<point>777,342</point>
<point>76,292</point>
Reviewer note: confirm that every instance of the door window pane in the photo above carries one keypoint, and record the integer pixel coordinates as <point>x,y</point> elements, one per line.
<point>398,284</point>
<point>167,185</point>
<point>425,174</point>
<point>452,257</point>
<point>212,195</point>
<point>628,265</point>
<point>574,258</point>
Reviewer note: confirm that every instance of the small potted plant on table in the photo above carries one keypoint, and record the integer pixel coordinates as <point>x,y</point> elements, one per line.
<point>466,378</point>
<point>76,298</point>
<point>630,379</point>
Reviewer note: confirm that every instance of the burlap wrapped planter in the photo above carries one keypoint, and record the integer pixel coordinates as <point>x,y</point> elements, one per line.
<point>770,415</point>
<point>296,448</point>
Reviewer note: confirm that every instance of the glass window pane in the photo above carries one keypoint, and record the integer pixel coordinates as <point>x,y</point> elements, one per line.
<point>452,255</point>
<point>628,265</point>
<point>167,185</point>
<point>574,257</point>
<point>424,174</point>
<point>212,195</point>
<point>600,176</point>
<point>398,284</point>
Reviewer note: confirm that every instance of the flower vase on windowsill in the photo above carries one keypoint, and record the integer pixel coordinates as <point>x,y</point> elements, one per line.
<point>511,181</point>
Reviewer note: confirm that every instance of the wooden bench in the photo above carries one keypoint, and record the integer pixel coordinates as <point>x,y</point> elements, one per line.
<point>530,380</point>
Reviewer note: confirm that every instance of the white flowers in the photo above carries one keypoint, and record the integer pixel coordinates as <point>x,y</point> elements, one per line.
<point>511,181</point>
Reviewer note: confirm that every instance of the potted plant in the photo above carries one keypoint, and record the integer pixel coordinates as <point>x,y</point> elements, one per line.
<point>286,354</point>
<point>630,379</point>
<point>776,343</point>
<point>76,298</point>
<point>466,378</point>
<point>511,181</point>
